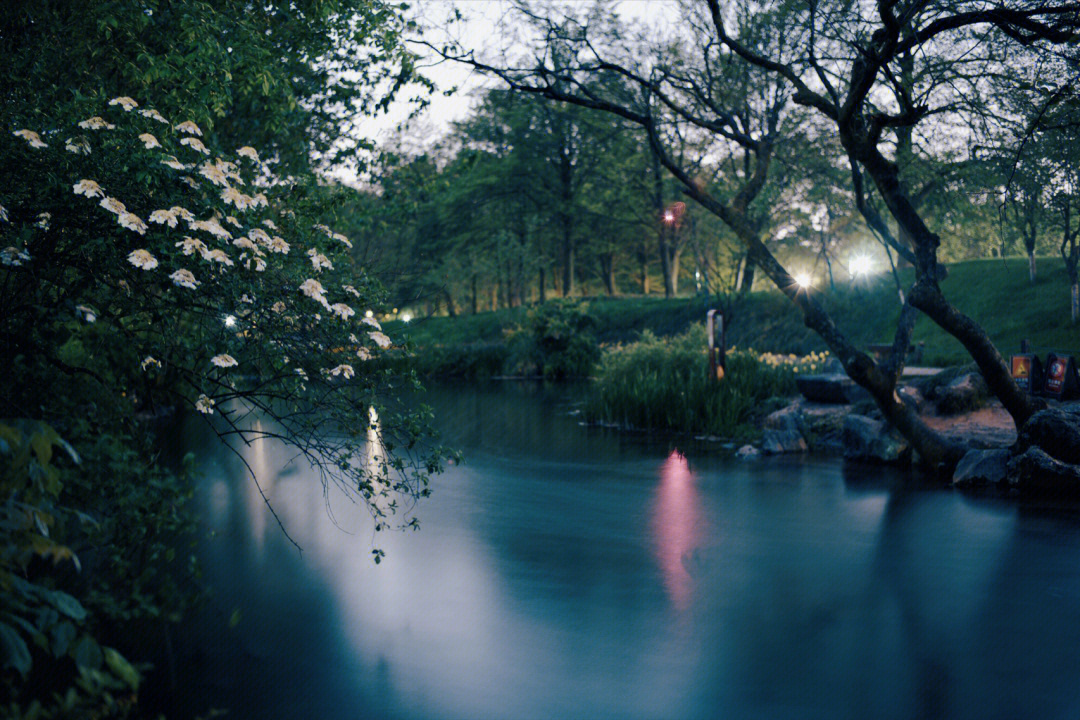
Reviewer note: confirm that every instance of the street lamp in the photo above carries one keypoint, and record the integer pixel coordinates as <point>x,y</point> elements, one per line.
<point>860,266</point>
<point>803,280</point>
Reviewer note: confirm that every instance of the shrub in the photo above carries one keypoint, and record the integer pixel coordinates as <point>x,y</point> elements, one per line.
<point>557,341</point>
<point>664,384</point>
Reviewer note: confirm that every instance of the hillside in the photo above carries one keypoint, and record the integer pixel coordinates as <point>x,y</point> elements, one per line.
<point>994,292</point>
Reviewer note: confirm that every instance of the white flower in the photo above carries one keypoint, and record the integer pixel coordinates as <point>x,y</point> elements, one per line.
<point>259,235</point>
<point>279,245</point>
<point>89,188</point>
<point>259,199</point>
<point>172,162</point>
<point>3,214</point>
<point>132,222</point>
<point>323,229</point>
<point>113,205</point>
<point>149,141</point>
<point>213,173</point>
<point>233,221</point>
<point>318,260</point>
<point>86,313</point>
<point>217,256</point>
<point>245,243</point>
<point>31,137</point>
<point>142,259</point>
<point>270,224</point>
<point>278,307</point>
<point>184,279</point>
<point>148,362</point>
<point>43,220</point>
<point>153,115</point>
<point>248,152</point>
<point>13,256</point>
<point>232,196</point>
<point>163,217</point>
<point>224,361</point>
<point>351,290</point>
<point>195,144</point>
<point>363,353</point>
<point>371,321</point>
<point>204,405</point>
<point>96,123</point>
<point>245,298</point>
<point>190,246</point>
<point>342,310</point>
<point>380,339</point>
<point>343,240</point>
<point>78,145</point>
<point>302,373</point>
<point>345,371</point>
<point>213,227</point>
<point>190,128</point>
<point>125,102</point>
<point>260,264</point>
<point>182,213</point>
<point>312,288</point>
<point>190,182</point>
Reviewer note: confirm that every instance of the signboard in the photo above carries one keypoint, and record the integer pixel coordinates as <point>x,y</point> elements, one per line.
<point>1061,381</point>
<point>1027,372</point>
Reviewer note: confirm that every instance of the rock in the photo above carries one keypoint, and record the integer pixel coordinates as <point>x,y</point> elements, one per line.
<point>831,388</point>
<point>868,439</point>
<point>775,442</point>
<point>747,452</point>
<point>964,393</point>
<point>1036,471</point>
<point>1056,432</point>
<point>912,397</point>
<point>788,419</point>
<point>980,467</point>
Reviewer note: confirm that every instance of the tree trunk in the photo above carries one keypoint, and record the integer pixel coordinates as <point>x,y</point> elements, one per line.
<point>673,268</point>
<point>644,277</point>
<point>1075,304</point>
<point>543,285</point>
<point>746,279</point>
<point>1031,265</point>
<point>607,272</point>
<point>475,302</point>
<point>568,264</point>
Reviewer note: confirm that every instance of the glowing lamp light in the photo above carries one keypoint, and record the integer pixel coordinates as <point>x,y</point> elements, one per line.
<point>803,280</point>
<point>406,317</point>
<point>669,217</point>
<point>369,314</point>
<point>860,265</point>
<point>230,321</point>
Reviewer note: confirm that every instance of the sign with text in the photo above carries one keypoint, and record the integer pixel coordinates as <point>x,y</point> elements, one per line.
<point>1027,372</point>
<point>1061,380</point>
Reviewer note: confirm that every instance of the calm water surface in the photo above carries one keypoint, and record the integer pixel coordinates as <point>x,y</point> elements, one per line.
<point>572,572</point>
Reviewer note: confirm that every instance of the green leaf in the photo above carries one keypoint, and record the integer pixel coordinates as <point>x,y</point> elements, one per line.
<point>13,650</point>
<point>122,668</point>
<point>234,619</point>
<point>62,636</point>
<point>67,605</point>
<point>87,653</point>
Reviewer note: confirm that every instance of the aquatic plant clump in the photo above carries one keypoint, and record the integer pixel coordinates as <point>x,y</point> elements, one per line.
<point>664,384</point>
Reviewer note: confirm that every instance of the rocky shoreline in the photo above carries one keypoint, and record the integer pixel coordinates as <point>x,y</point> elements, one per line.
<point>835,417</point>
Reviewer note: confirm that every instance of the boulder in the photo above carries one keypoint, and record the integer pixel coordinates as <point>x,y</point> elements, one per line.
<point>912,397</point>
<point>1056,432</point>
<point>981,467</point>
<point>789,419</point>
<point>868,439</point>
<point>964,393</point>
<point>1036,471</point>
<point>775,442</point>
<point>830,388</point>
<point>747,452</point>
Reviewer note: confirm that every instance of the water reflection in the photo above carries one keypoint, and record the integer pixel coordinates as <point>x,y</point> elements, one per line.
<point>569,572</point>
<point>677,527</point>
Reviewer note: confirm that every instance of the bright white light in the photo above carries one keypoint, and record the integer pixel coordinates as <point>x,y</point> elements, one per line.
<point>860,265</point>
<point>230,321</point>
<point>369,314</point>
<point>406,317</point>
<point>803,280</point>
<point>669,217</point>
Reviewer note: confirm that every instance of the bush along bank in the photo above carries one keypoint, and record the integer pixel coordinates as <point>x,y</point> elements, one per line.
<point>664,384</point>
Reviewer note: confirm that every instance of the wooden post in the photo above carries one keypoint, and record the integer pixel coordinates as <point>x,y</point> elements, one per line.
<point>714,323</point>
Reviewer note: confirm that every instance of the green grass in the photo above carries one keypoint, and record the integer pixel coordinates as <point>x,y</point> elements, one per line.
<point>996,293</point>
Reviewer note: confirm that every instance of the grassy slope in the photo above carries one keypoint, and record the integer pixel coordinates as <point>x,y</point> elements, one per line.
<point>995,293</point>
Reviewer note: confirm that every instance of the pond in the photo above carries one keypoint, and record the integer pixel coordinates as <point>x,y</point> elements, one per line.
<point>572,572</point>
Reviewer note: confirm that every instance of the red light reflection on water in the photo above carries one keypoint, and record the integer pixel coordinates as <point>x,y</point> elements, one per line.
<point>676,527</point>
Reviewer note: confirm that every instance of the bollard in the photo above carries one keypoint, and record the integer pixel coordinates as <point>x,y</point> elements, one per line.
<point>714,326</point>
